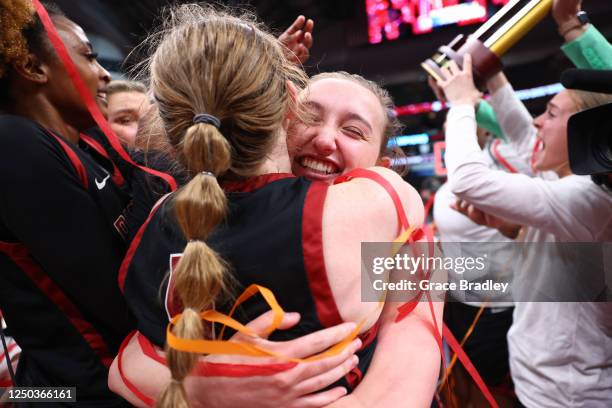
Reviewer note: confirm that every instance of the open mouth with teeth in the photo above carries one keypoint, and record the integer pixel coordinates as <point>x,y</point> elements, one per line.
<point>321,167</point>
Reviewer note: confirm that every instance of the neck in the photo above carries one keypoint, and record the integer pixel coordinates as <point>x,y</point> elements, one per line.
<point>278,159</point>
<point>41,110</point>
<point>564,170</point>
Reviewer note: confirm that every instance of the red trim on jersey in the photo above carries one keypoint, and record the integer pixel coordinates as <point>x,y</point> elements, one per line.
<point>381,181</point>
<point>148,401</point>
<point>6,384</point>
<point>18,253</point>
<point>314,263</point>
<point>76,162</point>
<point>369,335</point>
<point>253,183</point>
<point>117,176</point>
<point>500,158</point>
<point>125,264</point>
<point>354,377</point>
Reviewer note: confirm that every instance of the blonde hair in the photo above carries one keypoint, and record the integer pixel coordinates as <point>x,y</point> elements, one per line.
<point>208,61</point>
<point>391,125</point>
<point>586,100</point>
<point>118,86</point>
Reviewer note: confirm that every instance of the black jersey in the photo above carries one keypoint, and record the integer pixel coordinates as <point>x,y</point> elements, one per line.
<point>64,219</point>
<point>272,237</point>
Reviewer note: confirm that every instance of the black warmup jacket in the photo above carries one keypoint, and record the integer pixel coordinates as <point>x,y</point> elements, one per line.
<point>67,213</point>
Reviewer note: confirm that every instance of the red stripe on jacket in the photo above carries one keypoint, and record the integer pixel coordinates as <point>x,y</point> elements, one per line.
<point>18,253</point>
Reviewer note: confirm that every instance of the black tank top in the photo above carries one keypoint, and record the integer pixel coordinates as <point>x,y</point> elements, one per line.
<point>272,237</point>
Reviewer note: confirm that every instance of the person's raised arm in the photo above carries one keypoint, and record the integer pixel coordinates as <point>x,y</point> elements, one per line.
<point>495,191</point>
<point>584,45</point>
<point>514,118</point>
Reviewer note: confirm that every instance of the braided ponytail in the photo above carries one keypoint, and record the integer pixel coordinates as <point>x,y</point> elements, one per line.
<point>200,276</point>
<point>210,71</point>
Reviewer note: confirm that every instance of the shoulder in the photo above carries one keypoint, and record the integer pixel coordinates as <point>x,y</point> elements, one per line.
<point>25,142</point>
<point>363,198</point>
<point>17,128</point>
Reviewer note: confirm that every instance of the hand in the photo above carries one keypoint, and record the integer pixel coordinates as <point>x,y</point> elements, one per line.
<point>297,40</point>
<point>294,388</point>
<point>458,84</point>
<point>565,10</point>
<point>480,217</point>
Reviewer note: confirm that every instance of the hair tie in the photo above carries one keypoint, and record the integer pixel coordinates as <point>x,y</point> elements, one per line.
<point>207,118</point>
<point>208,173</point>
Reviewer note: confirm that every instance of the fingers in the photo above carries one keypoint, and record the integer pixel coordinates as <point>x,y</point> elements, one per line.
<point>296,25</point>
<point>460,205</point>
<point>262,322</point>
<point>467,64</point>
<point>309,26</point>
<point>318,367</point>
<point>314,343</point>
<point>321,381</point>
<point>453,68</point>
<point>321,399</point>
<point>307,40</point>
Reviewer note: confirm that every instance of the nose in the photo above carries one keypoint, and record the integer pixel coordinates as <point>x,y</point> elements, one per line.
<point>105,76</point>
<point>537,122</point>
<point>325,141</point>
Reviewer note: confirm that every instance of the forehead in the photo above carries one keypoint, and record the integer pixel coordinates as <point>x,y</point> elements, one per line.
<point>127,99</point>
<point>345,96</point>
<point>563,101</point>
<point>71,33</point>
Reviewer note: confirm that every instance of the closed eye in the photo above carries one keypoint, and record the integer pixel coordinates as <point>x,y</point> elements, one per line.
<point>355,132</point>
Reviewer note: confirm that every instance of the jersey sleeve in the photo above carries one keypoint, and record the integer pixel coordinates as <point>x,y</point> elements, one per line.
<point>45,207</point>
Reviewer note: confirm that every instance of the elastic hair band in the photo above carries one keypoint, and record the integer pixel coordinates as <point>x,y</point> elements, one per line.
<point>207,118</point>
<point>207,173</point>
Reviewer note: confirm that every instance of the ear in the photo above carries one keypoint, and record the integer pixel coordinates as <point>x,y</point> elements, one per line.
<point>33,69</point>
<point>293,95</point>
<point>293,91</point>
<point>384,161</point>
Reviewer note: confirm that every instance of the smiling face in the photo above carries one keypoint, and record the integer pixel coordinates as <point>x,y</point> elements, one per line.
<point>125,109</point>
<point>345,133</point>
<point>552,132</point>
<point>61,90</point>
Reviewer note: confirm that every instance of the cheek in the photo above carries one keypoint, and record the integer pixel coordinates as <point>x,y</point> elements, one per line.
<point>361,155</point>
<point>296,138</point>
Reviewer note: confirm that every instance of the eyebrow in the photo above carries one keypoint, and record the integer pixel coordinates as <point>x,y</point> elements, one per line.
<point>350,116</point>
<point>552,105</point>
<point>124,110</point>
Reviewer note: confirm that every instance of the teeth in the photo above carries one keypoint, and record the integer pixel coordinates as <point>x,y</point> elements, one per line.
<point>318,166</point>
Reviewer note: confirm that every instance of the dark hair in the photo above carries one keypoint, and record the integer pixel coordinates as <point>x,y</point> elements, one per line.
<point>22,33</point>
